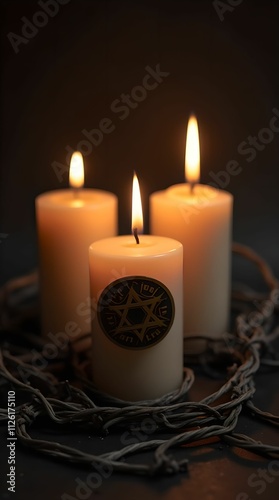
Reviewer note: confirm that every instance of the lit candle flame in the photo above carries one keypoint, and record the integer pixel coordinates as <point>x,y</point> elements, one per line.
<point>76,170</point>
<point>137,217</point>
<point>192,152</point>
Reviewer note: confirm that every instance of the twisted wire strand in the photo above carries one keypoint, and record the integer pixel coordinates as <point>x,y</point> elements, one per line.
<point>189,423</point>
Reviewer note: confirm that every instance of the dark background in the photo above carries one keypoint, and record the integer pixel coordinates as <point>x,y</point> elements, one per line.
<point>64,80</point>
<point>66,77</point>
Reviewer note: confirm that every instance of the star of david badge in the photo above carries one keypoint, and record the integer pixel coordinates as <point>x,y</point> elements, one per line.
<point>136,312</point>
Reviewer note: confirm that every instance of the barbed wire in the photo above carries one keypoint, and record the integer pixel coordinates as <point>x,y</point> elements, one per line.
<point>49,397</point>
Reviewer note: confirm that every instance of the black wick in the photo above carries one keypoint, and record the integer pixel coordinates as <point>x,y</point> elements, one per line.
<point>135,232</point>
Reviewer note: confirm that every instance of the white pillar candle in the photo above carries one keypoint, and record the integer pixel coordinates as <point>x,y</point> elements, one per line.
<point>201,218</point>
<point>68,221</point>
<point>137,319</point>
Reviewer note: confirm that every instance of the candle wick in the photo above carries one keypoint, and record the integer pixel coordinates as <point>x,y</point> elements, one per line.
<point>135,232</point>
<point>192,186</point>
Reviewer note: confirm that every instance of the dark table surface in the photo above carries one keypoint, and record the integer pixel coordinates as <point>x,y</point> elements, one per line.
<point>216,471</point>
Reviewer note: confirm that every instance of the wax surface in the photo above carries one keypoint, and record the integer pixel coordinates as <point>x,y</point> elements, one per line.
<point>202,221</point>
<point>136,374</point>
<point>67,225</point>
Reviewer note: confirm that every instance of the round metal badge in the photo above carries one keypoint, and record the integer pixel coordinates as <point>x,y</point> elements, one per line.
<point>136,312</point>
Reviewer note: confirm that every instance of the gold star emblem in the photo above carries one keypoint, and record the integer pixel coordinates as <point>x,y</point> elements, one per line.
<point>136,312</point>
<point>134,301</point>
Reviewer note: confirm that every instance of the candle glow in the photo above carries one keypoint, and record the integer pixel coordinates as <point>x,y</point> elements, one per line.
<point>76,176</point>
<point>192,152</point>
<point>137,216</point>
<point>200,217</point>
<point>68,221</point>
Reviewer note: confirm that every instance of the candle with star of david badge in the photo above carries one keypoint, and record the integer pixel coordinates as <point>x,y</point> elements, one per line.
<point>137,315</point>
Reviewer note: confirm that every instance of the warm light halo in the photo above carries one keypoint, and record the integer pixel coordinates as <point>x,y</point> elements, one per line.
<point>192,152</point>
<point>137,216</point>
<point>76,176</point>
